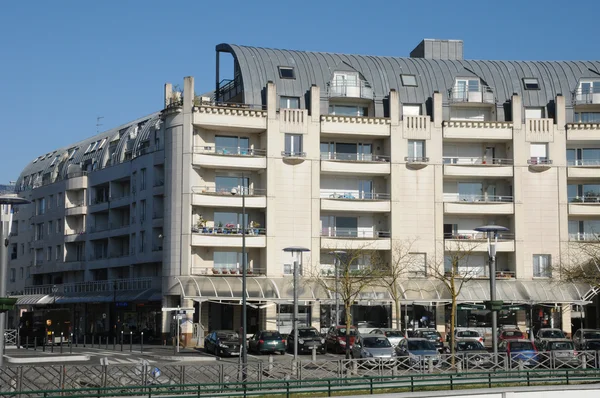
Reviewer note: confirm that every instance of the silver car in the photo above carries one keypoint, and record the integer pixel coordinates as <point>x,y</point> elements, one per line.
<point>393,335</point>
<point>373,346</point>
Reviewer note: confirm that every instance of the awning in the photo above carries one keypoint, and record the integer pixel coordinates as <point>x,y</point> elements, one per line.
<point>108,297</point>
<point>33,299</point>
<point>549,291</point>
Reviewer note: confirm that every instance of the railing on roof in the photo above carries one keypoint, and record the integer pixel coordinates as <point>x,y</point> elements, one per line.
<point>461,94</point>
<point>232,151</point>
<point>588,95</point>
<point>358,89</point>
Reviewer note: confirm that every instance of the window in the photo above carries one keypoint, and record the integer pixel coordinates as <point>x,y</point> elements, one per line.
<point>142,240</point>
<point>411,110</point>
<point>101,144</point>
<point>416,149</point>
<point>50,201</point>
<point>583,156</point>
<point>289,102</point>
<point>542,265</point>
<point>41,206</point>
<point>417,264</point>
<point>409,80</point>
<point>59,202</point>
<point>58,253</point>
<point>293,145</point>
<point>531,83</point>
<point>13,274</point>
<point>229,260</point>
<point>59,225</point>
<point>21,273</point>
<point>288,269</point>
<point>49,253</point>
<point>22,248</point>
<point>462,88</point>
<point>286,72</point>
<point>142,210</point>
<point>587,117</point>
<point>348,110</point>
<point>142,179</point>
<point>50,228</point>
<point>224,184</point>
<point>227,145</point>
<point>54,160</point>
<point>470,191</point>
<point>39,232</point>
<point>133,243</point>
<point>223,219</point>
<point>538,153</point>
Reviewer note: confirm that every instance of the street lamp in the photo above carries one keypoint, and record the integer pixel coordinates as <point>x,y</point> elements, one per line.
<point>6,202</point>
<point>492,230</point>
<point>296,252</point>
<point>336,260</point>
<point>234,191</point>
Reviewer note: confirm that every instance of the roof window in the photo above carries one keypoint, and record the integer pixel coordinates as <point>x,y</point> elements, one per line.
<point>531,83</point>
<point>286,72</point>
<point>36,159</point>
<point>409,80</point>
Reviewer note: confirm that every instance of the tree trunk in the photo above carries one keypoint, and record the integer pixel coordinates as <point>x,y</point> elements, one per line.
<point>348,306</point>
<point>398,313</point>
<point>452,326</point>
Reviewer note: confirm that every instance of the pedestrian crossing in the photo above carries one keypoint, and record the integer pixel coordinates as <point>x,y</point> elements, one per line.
<point>120,358</point>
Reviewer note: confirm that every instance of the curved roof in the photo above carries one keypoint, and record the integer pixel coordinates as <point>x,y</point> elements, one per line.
<point>59,160</point>
<point>259,65</point>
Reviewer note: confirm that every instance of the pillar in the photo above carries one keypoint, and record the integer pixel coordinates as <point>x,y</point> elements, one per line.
<point>315,103</point>
<point>186,328</point>
<point>394,107</point>
<point>271,100</point>
<point>315,315</point>
<point>438,116</point>
<point>440,318</point>
<point>566,319</point>
<point>516,109</point>
<point>270,321</point>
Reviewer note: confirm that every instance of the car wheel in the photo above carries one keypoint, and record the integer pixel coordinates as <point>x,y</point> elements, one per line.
<point>282,352</point>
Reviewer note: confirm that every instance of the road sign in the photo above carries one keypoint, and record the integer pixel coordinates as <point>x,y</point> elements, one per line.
<point>177,309</point>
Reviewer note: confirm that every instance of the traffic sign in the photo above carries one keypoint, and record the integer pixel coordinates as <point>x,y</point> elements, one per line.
<point>177,309</point>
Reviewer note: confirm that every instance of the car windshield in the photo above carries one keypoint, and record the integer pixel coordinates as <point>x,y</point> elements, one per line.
<point>270,336</point>
<point>228,335</point>
<point>308,333</point>
<point>591,335</point>
<point>561,345</point>
<point>342,332</point>
<point>393,333</point>
<point>553,334</point>
<point>521,346</point>
<point>419,345</point>
<point>470,346</point>
<point>376,342</point>
<point>593,345</point>
<point>513,333</point>
<point>429,334</point>
<point>467,333</point>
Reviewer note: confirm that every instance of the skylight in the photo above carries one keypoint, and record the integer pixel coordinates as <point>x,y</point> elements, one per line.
<point>409,80</point>
<point>286,72</point>
<point>531,83</point>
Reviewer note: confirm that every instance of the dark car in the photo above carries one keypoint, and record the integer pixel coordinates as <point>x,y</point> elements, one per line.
<point>414,351</point>
<point>511,334</point>
<point>432,335</point>
<point>267,341</point>
<point>222,343</point>
<point>336,338</point>
<point>523,351</point>
<point>545,335</point>
<point>582,336</point>
<point>307,339</point>
<point>562,352</point>
<point>473,353</point>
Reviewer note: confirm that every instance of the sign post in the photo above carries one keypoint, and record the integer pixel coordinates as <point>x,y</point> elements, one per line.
<point>179,312</point>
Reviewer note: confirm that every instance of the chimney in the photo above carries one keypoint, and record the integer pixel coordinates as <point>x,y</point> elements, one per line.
<point>439,49</point>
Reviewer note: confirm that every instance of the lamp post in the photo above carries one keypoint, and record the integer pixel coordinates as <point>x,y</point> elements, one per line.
<point>492,229</point>
<point>336,260</point>
<point>296,250</point>
<point>244,351</point>
<point>6,202</point>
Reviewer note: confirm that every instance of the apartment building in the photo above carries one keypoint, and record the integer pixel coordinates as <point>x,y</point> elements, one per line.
<point>329,152</point>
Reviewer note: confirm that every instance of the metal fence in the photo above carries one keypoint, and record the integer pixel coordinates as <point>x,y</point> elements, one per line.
<point>10,337</point>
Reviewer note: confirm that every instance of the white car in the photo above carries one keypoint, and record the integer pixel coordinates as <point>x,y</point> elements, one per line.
<point>468,335</point>
<point>394,336</point>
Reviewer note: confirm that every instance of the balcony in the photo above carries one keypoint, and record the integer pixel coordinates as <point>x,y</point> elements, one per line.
<point>346,89</point>
<point>119,201</point>
<point>464,95</point>
<point>366,202</point>
<point>76,181</point>
<point>539,163</point>
<point>586,96</point>
<point>355,238</point>
<point>109,285</point>
<point>416,162</point>
<point>75,236</point>
<point>227,270</point>
<point>76,209</point>
<point>355,125</point>
<point>583,131</point>
<point>583,168</point>
<point>355,163</point>
<point>477,242</point>
<point>584,237</point>
<point>588,205</point>
<point>455,203</point>
<point>98,204</point>
<point>477,167</point>
<point>209,196</point>
<point>481,272</point>
<point>477,130</point>
<point>237,117</point>
<point>119,229</point>
<point>211,157</point>
<point>228,236</point>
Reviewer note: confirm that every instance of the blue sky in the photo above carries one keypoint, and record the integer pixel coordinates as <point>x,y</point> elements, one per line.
<point>63,63</point>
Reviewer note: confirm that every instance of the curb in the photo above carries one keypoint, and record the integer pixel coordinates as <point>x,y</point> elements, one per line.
<point>58,358</point>
<point>182,358</point>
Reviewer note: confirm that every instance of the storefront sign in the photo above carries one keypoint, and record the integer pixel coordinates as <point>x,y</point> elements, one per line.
<point>471,307</point>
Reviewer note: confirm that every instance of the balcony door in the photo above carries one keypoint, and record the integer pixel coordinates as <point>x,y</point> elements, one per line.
<point>225,184</point>
<point>346,226</point>
<point>223,219</point>
<point>365,189</point>
<point>470,191</point>
<point>345,151</point>
<point>232,145</point>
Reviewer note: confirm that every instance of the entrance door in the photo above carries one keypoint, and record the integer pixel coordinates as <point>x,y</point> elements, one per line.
<point>220,316</point>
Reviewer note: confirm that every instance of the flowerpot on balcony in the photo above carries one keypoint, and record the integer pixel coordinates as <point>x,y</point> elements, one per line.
<point>248,272</point>
<point>215,271</point>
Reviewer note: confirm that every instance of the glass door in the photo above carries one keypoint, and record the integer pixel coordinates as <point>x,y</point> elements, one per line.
<point>346,226</point>
<point>365,189</point>
<point>470,191</point>
<point>345,151</point>
<point>326,150</point>
<point>366,152</point>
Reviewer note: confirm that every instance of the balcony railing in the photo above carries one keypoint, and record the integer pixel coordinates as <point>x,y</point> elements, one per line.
<point>231,151</point>
<point>589,198</point>
<point>75,204</point>
<point>228,270</point>
<point>416,159</point>
<point>583,162</point>
<point>228,229</point>
<point>74,232</point>
<point>481,236</point>
<point>468,198</point>
<point>354,157</point>
<point>481,94</point>
<point>293,154</point>
<point>75,174</point>
<point>248,191</point>
<point>159,183</point>
<point>109,285</point>
<point>350,233</point>
<point>476,161</point>
<point>587,95</point>
<point>539,161</point>
<point>119,197</point>
<point>100,228</point>
<point>358,89</point>
<point>355,195</point>
<point>584,237</point>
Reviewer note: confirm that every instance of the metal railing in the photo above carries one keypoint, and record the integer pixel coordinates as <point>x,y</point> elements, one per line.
<point>356,89</point>
<point>350,233</point>
<point>482,93</point>
<point>468,198</point>
<point>228,269</point>
<point>231,151</point>
<point>75,204</point>
<point>354,157</point>
<point>108,285</point>
<point>539,161</point>
<point>416,159</point>
<point>478,236</point>
<point>589,95</point>
<point>74,232</point>
<point>228,229</point>
<point>476,161</point>
<point>293,154</point>
<point>584,237</point>
<point>211,190</point>
<point>583,162</point>
<point>355,195</point>
<point>75,174</point>
<point>122,196</point>
<point>592,198</point>
<point>159,183</point>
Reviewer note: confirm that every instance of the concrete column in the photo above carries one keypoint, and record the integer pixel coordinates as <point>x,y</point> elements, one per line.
<point>566,319</point>
<point>315,103</point>
<point>394,108</point>
<point>315,315</point>
<point>560,112</point>
<point>165,319</point>
<point>438,116</point>
<point>271,100</point>
<point>186,327</point>
<point>270,322</point>
<point>517,109</point>
<point>440,319</point>
<point>168,93</point>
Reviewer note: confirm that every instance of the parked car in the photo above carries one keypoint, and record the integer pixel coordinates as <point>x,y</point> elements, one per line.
<point>582,336</point>
<point>545,335</point>
<point>591,345</point>
<point>473,353</point>
<point>222,343</point>
<point>307,339</point>
<point>562,351</point>
<point>466,335</point>
<point>413,351</point>
<point>519,350</point>
<point>336,338</point>
<point>393,335</point>
<point>375,346</point>
<point>267,341</point>
<point>510,334</point>
<point>432,335</point>
<point>365,327</point>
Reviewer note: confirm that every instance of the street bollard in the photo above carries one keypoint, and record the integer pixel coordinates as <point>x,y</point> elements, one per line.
<point>121,341</point>
<point>142,343</point>
<point>106,346</point>
<point>71,344</point>
<point>314,353</point>
<point>84,339</point>
<point>27,342</point>
<point>114,343</point>
<point>52,341</point>
<point>130,341</point>
<point>61,342</point>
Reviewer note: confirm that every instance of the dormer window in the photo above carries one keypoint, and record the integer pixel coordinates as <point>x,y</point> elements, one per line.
<point>588,91</point>
<point>350,84</point>
<point>462,88</point>
<point>286,72</point>
<point>409,80</point>
<point>531,83</point>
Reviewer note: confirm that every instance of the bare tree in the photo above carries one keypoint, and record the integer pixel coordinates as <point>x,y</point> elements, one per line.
<point>356,269</point>
<point>454,271</point>
<point>581,264</point>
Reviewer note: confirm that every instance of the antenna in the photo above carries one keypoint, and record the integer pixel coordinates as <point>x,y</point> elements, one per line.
<point>98,124</point>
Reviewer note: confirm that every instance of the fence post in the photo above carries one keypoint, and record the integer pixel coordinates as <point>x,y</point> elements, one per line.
<point>61,342</point>
<point>121,341</point>
<point>430,365</point>
<point>20,379</point>
<point>142,343</point>
<point>182,374</point>
<point>52,341</point>
<point>84,340</point>
<point>27,342</point>
<point>106,345</point>
<point>130,341</point>
<point>114,343</point>
<point>71,344</point>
